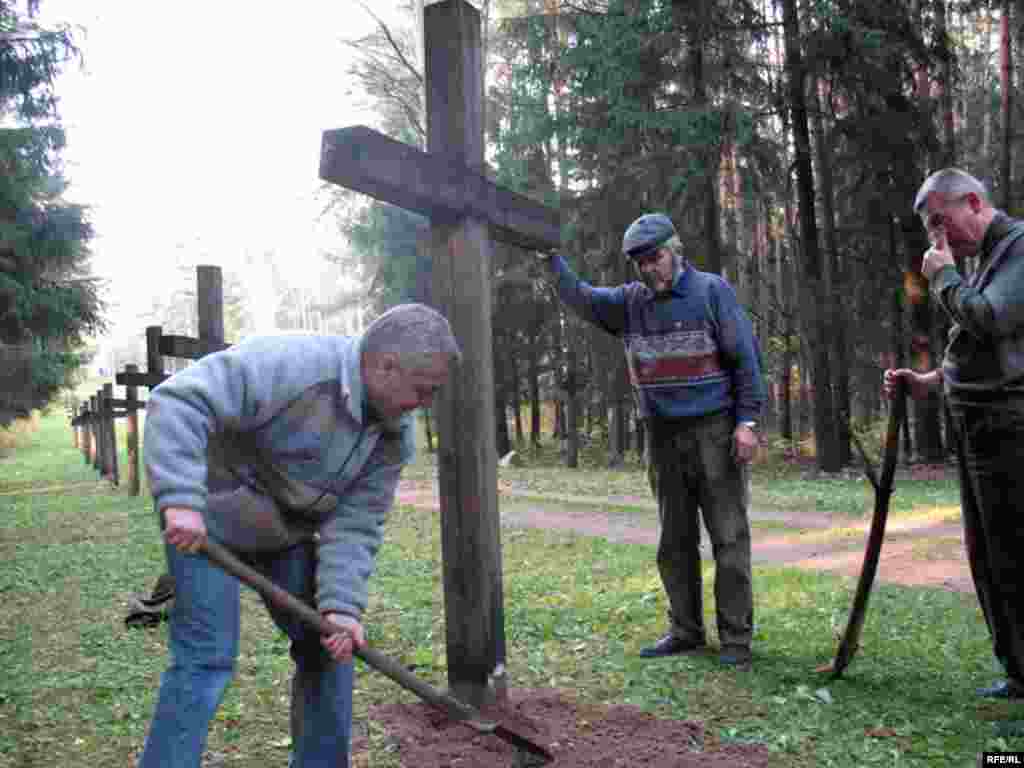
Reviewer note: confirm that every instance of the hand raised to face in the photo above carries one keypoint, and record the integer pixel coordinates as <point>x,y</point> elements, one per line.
<point>938,256</point>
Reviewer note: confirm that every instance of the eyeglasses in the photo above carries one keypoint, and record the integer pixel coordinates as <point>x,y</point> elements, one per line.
<point>649,257</point>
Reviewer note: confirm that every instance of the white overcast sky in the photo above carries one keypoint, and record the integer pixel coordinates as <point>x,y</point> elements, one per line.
<point>196,125</point>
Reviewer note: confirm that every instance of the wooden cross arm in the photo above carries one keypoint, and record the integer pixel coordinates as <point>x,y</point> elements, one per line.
<point>140,379</point>
<point>438,187</point>
<point>188,347</point>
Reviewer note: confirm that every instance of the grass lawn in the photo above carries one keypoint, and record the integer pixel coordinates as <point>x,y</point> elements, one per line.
<point>78,686</point>
<point>776,483</point>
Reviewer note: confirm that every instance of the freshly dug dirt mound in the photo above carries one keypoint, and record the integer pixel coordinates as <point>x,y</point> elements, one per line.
<point>578,735</point>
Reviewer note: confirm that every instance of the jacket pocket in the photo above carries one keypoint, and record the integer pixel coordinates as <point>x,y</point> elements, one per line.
<point>250,521</point>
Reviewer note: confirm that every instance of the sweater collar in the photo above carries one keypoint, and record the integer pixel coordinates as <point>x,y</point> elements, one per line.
<point>996,231</point>
<point>352,386</point>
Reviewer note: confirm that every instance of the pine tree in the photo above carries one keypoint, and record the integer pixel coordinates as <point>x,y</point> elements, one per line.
<point>48,300</point>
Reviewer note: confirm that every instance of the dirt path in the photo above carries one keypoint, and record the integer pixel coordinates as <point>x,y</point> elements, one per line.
<point>914,553</point>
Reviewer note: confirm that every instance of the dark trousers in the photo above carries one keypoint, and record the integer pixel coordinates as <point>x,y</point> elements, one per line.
<point>990,447</point>
<point>693,468</point>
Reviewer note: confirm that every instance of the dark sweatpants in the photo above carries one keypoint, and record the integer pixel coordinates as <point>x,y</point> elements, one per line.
<point>990,447</point>
<point>693,469</point>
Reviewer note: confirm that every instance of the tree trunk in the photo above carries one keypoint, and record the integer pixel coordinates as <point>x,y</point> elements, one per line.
<point>1006,116</point>
<point>754,253</point>
<point>534,362</point>
<point>786,385</point>
<point>816,301</point>
<point>731,258</point>
<point>835,285</point>
<point>535,402</point>
<point>787,292</point>
<point>502,439</point>
<point>642,447</point>
<point>898,354</point>
<point>711,159</point>
<point>503,443</point>
<point>572,335</point>
<point>619,386</point>
<point>572,419</point>
<point>986,136</point>
<point>746,256</point>
<point>806,395</point>
<point>942,13</point>
<point>769,322</point>
<point>514,392</point>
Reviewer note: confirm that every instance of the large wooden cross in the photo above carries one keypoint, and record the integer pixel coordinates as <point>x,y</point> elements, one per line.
<point>466,210</point>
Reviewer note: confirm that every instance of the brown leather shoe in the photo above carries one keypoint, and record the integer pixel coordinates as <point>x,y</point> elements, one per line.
<point>670,645</point>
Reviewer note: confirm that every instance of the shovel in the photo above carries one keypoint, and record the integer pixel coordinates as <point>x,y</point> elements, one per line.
<point>284,600</point>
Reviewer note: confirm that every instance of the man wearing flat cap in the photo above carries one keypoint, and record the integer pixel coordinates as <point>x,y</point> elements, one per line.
<point>695,368</point>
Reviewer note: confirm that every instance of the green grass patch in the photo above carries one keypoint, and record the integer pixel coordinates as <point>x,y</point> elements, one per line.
<point>79,687</point>
<point>776,484</point>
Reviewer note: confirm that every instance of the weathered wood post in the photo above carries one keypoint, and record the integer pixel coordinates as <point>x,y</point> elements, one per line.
<point>461,251</point>
<point>210,303</point>
<point>132,433</point>
<point>101,434</point>
<point>94,429</point>
<point>80,411</point>
<point>154,359</point>
<point>466,210</point>
<point>110,433</point>
<point>86,437</point>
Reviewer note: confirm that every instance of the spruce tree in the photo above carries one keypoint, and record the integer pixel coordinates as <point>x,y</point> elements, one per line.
<point>48,300</point>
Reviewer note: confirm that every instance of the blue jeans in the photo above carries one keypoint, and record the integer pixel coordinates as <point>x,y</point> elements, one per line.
<point>203,639</point>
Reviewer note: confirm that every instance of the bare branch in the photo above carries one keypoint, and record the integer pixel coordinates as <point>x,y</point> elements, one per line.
<point>398,51</point>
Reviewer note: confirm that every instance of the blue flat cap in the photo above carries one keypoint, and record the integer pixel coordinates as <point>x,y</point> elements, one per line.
<point>647,233</point>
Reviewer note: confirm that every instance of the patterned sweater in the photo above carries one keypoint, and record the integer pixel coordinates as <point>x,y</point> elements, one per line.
<point>690,352</point>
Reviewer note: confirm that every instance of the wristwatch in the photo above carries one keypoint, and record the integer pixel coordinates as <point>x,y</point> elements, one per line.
<point>749,425</point>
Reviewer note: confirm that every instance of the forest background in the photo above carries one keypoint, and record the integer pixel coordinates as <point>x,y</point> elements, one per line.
<point>785,139</point>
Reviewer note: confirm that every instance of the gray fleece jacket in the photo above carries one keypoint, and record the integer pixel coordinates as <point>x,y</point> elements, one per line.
<point>271,441</point>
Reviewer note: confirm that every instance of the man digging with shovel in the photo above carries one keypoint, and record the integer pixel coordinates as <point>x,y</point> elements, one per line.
<point>287,450</point>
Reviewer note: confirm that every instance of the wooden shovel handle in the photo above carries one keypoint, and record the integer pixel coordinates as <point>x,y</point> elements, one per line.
<point>384,664</point>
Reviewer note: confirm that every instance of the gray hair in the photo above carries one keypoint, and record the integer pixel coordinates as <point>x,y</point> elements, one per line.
<point>675,246</point>
<point>950,182</point>
<point>415,333</point>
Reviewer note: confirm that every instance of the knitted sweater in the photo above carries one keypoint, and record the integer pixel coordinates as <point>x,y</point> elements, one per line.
<point>691,351</point>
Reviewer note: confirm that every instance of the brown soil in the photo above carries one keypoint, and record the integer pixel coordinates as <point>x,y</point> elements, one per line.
<point>576,735</point>
<point>619,736</point>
